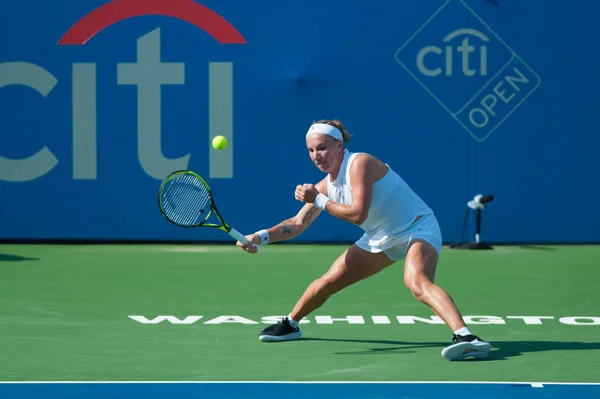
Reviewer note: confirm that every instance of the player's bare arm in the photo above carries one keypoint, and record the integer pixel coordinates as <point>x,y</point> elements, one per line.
<point>289,228</point>
<point>363,174</point>
<point>294,226</point>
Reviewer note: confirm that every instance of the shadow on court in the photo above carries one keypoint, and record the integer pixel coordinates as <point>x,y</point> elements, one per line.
<point>505,349</point>
<point>397,347</point>
<point>539,247</point>
<point>501,350</point>
<point>14,258</point>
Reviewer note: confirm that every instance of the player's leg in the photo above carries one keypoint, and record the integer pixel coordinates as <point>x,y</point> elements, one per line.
<point>419,274</point>
<point>352,266</point>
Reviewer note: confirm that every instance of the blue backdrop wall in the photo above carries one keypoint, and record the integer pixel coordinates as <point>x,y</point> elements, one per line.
<point>99,100</point>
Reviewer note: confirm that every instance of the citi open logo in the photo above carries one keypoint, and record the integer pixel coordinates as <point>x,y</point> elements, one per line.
<point>148,74</point>
<point>467,68</point>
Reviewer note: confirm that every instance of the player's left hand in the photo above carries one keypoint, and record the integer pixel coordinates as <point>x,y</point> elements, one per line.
<point>252,246</point>
<point>306,193</point>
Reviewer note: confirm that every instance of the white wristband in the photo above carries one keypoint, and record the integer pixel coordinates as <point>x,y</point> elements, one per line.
<point>264,236</point>
<point>321,201</point>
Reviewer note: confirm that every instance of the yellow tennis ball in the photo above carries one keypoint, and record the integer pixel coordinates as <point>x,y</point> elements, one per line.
<point>219,142</point>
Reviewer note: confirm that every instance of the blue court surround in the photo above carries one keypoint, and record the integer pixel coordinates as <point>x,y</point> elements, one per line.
<point>293,390</point>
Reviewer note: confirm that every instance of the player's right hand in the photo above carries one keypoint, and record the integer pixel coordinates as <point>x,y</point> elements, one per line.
<point>252,246</point>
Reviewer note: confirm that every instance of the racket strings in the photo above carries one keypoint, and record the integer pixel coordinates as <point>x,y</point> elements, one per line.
<point>189,202</point>
<point>186,200</point>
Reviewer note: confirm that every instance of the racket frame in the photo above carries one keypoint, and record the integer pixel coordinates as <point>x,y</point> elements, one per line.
<point>224,226</point>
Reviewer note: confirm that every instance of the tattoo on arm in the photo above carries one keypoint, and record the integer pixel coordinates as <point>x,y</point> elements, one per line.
<point>285,229</point>
<point>309,215</point>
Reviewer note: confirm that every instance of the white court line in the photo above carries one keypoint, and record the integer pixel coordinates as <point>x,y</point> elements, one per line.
<point>533,384</point>
<point>537,385</point>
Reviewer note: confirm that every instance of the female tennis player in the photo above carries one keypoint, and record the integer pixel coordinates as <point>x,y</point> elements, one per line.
<point>397,224</point>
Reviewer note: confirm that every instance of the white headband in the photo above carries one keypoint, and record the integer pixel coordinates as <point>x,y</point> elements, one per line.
<point>325,129</point>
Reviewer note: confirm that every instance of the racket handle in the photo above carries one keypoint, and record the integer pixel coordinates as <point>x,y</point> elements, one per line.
<point>240,237</point>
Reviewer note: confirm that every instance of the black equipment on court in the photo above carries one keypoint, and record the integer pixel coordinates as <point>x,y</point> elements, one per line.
<point>478,204</point>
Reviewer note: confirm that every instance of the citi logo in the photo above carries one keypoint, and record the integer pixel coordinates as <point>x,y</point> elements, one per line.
<point>148,74</point>
<point>119,10</point>
<point>471,59</point>
<point>467,68</point>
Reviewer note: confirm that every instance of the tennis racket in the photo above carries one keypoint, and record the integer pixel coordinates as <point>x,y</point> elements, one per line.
<point>185,199</point>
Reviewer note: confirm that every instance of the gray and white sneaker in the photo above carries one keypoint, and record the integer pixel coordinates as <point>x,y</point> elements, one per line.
<point>466,346</point>
<point>281,331</point>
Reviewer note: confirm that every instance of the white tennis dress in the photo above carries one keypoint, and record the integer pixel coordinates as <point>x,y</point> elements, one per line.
<point>390,225</point>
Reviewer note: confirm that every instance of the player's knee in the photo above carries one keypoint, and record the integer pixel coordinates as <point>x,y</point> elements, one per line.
<point>327,285</point>
<point>417,285</point>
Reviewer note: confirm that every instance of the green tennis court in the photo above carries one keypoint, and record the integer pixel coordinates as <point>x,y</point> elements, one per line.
<point>193,313</point>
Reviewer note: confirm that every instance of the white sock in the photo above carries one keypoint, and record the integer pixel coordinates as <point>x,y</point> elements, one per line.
<point>463,331</point>
<point>293,322</point>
